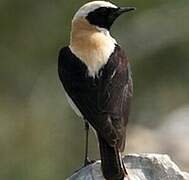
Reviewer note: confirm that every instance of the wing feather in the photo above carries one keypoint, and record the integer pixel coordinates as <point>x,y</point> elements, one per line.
<point>115,93</point>
<point>103,101</point>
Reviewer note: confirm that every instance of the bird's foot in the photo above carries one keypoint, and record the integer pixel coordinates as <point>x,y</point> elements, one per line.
<point>88,162</point>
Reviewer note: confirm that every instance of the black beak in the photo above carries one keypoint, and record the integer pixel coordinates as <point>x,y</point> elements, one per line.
<point>124,10</point>
<point>117,12</point>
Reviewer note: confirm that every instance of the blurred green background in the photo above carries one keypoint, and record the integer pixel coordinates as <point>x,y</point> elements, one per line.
<point>40,136</point>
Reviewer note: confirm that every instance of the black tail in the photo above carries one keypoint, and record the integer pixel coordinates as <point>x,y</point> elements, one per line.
<point>111,162</point>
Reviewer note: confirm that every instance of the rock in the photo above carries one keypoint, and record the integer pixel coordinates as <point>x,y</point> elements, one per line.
<point>186,175</point>
<point>139,167</point>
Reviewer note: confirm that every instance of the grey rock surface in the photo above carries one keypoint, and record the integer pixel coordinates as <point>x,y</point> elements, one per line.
<point>186,175</point>
<point>139,167</point>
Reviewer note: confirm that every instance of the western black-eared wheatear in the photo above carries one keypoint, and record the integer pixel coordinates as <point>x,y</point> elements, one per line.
<point>96,76</point>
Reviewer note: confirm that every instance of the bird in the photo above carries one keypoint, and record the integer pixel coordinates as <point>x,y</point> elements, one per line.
<point>97,80</point>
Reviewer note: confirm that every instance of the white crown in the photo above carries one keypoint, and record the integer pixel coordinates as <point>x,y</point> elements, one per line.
<point>90,7</point>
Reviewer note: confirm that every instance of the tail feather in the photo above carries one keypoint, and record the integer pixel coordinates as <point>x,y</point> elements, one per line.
<point>111,161</point>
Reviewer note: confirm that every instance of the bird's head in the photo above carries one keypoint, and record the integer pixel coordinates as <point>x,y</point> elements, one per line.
<point>90,39</point>
<point>100,14</point>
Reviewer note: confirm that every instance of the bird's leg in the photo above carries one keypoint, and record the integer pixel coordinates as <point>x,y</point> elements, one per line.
<point>86,143</point>
<point>87,160</point>
<point>123,165</point>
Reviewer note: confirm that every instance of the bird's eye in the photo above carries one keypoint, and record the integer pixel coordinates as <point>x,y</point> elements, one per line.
<point>103,11</point>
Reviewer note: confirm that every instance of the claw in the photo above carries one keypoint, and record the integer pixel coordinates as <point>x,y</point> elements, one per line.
<point>88,162</point>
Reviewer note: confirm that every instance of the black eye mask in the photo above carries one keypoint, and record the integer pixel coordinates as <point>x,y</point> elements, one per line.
<point>102,17</point>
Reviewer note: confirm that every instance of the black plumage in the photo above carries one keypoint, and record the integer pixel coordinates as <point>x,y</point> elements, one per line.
<point>103,17</point>
<point>104,101</point>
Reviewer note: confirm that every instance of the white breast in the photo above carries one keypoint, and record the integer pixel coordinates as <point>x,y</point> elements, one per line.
<point>93,46</point>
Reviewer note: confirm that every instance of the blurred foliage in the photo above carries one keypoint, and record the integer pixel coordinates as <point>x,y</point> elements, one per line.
<point>40,136</point>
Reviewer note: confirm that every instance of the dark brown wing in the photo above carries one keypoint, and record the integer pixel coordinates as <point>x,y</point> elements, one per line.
<point>115,93</point>
<point>103,101</point>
